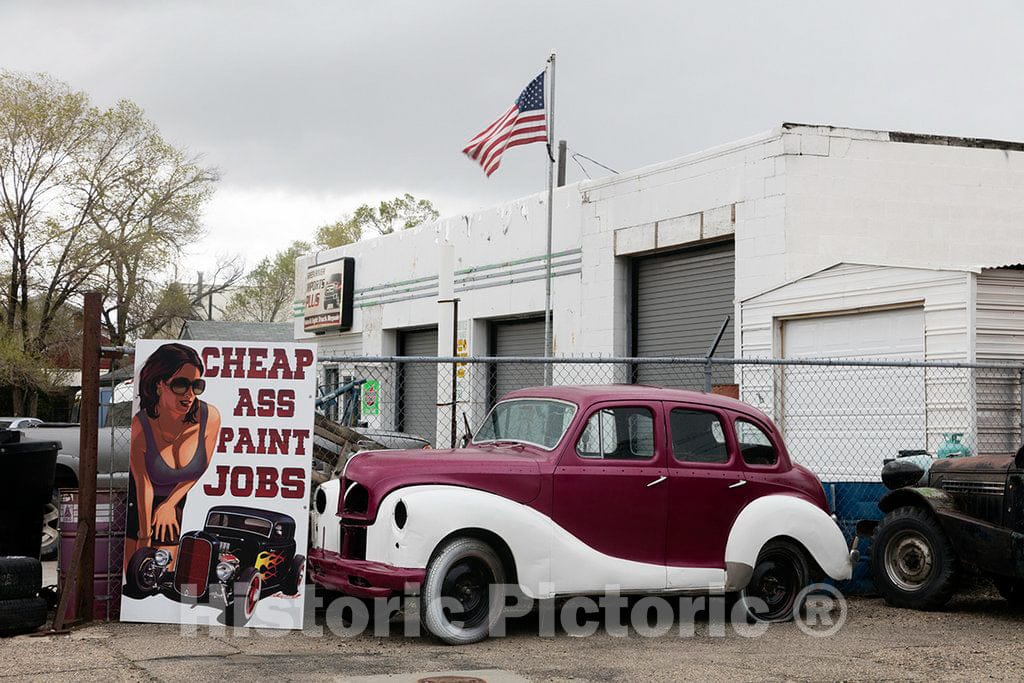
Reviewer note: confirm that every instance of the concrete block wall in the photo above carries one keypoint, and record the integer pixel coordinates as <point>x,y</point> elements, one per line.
<point>872,197</point>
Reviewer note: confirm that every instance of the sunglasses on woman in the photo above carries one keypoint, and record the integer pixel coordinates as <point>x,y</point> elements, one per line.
<point>180,386</point>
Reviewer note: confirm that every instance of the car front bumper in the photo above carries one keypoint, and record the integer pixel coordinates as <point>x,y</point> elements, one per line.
<point>362,578</point>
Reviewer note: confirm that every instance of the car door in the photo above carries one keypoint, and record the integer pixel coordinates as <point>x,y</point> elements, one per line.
<point>707,485</point>
<point>609,500</point>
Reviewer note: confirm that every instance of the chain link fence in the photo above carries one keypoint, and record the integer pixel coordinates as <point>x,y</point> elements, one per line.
<point>841,419</point>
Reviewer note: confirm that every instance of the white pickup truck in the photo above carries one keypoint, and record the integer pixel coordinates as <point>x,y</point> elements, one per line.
<point>111,467</point>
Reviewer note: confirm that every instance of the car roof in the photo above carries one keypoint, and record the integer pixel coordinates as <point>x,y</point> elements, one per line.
<point>253,512</point>
<point>587,394</point>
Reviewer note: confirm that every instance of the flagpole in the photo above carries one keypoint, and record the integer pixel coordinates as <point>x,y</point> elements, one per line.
<point>550,103</point>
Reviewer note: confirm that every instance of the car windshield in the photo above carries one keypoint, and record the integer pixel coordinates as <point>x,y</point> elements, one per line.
<point>227,520</point>
<point>540,422</point>
<point>4,424</point>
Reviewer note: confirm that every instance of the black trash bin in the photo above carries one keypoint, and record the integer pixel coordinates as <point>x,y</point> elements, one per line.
<point>25,489</point>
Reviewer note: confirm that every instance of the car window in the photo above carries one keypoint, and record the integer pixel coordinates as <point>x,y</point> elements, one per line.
<point>755,446</point>
<point>619,433</point>
<point>541,422</point>
<point>697,436</point>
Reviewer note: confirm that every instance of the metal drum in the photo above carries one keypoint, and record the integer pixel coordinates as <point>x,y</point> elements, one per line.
<point>111,511</point>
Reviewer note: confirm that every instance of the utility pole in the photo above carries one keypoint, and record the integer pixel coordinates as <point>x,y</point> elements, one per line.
<point>561,163</point>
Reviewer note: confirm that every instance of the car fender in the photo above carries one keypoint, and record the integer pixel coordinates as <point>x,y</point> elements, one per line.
<point>549,561</point>
<point>326,525</point>
<point>435,512</point>
<point>782,515</point>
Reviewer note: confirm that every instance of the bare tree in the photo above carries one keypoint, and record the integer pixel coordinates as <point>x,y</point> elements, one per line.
<point>88,199</point>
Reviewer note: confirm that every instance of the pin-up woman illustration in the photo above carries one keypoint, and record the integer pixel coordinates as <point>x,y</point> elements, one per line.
<point>173,439</point>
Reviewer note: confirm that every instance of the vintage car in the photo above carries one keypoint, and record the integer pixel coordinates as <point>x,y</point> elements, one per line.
<point>240,556</point>
<point>965,511</point>
<point>578,490</point>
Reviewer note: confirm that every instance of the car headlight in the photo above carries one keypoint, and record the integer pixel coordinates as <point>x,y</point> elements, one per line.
<point>162,558</point>
<point>401,515</point>
<point>225,571</point>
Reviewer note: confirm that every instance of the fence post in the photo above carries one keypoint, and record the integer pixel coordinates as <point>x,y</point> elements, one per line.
<point>1020,386</point>
<point>87,443</point>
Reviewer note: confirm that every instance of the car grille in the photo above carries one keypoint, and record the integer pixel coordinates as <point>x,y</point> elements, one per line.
<point>977,488</point>
<point>192,568</point>
<point>357,499</point>
<point>980,499</point>
<point>353,542</point>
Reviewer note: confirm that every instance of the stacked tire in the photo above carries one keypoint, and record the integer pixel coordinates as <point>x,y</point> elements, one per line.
<point>21,608</point>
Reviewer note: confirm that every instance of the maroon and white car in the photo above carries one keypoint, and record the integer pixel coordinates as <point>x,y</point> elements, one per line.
<point>575,490</point>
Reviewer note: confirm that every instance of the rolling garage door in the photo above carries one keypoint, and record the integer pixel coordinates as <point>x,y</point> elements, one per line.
<point>681,299</point>
<point>841,422</point>
<point>418,384</point>
<point>517,338</point>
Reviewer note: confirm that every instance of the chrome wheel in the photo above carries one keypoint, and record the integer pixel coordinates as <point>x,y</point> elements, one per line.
<point>909,560</point>
<point>51,534</point>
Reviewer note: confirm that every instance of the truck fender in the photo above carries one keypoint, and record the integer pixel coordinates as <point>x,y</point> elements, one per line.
<point>936,500</point>
<point>789,516</point>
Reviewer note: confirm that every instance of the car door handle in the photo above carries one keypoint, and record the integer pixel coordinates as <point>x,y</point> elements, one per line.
<point>741,482</point>
<point>656,481</point>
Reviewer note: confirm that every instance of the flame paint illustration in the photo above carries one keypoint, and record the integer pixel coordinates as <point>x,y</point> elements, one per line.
<point>267,563</point>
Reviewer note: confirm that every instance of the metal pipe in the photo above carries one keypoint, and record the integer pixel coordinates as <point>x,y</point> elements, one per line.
<point>669,360</point>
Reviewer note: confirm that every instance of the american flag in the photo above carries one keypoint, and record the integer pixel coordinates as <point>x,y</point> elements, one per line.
<point>523,123</point>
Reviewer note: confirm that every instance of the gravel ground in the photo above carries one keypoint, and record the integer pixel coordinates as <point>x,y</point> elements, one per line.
<point>977,637</point>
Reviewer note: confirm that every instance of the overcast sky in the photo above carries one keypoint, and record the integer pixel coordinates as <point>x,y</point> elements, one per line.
<point>312,108</point>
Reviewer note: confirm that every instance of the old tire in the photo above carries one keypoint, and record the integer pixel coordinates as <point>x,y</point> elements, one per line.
<point>780,575</point>
<point>139,581</point>
<point>296,575</point>
<point>912,560</point>
<point>1012,590</point>
<point>21,615</point>
<point>248,587</point>
<point>463,593</point>
<point>20,577</point>
<point>50,531</point>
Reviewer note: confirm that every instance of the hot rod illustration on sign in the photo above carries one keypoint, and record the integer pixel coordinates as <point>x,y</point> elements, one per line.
<point>577,490</point>
<point>240,556</point>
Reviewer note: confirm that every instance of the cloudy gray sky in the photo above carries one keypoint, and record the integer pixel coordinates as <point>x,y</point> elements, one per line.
<point>312,108</point>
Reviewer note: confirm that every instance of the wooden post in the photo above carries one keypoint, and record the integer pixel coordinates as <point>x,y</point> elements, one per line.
<point>87,444</point>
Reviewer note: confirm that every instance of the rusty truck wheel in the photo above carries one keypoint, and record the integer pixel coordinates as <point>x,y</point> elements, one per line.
<point>912,560</point>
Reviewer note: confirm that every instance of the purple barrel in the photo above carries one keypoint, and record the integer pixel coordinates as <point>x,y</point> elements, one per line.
<point>111,511</point>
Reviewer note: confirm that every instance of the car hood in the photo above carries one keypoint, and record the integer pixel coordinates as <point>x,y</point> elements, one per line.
<point>510,472</point>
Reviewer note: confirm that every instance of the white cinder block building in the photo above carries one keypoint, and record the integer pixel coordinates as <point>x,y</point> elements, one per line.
<point>816,240</point>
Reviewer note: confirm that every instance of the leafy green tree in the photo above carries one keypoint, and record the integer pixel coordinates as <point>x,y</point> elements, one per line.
<point>401,212</point>
<point>268,290</point>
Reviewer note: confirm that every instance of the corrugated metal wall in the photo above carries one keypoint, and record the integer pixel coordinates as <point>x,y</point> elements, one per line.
<point>523,338</point>
<point>680,301</point>
<point>999,325</point>
<point>418,384</point>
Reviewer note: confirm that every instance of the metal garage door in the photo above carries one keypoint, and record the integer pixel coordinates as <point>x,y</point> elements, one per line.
<point>418,384</point>
<point>681,299</point>
<point>517,338</point>
<point>843,421</point>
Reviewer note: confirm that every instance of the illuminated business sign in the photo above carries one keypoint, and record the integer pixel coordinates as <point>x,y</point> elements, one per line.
<point>328,304</point>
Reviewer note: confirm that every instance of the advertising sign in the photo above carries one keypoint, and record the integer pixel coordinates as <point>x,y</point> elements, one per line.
<point>370,393</point>
<point>328,304</point>
<point>218,498</point>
